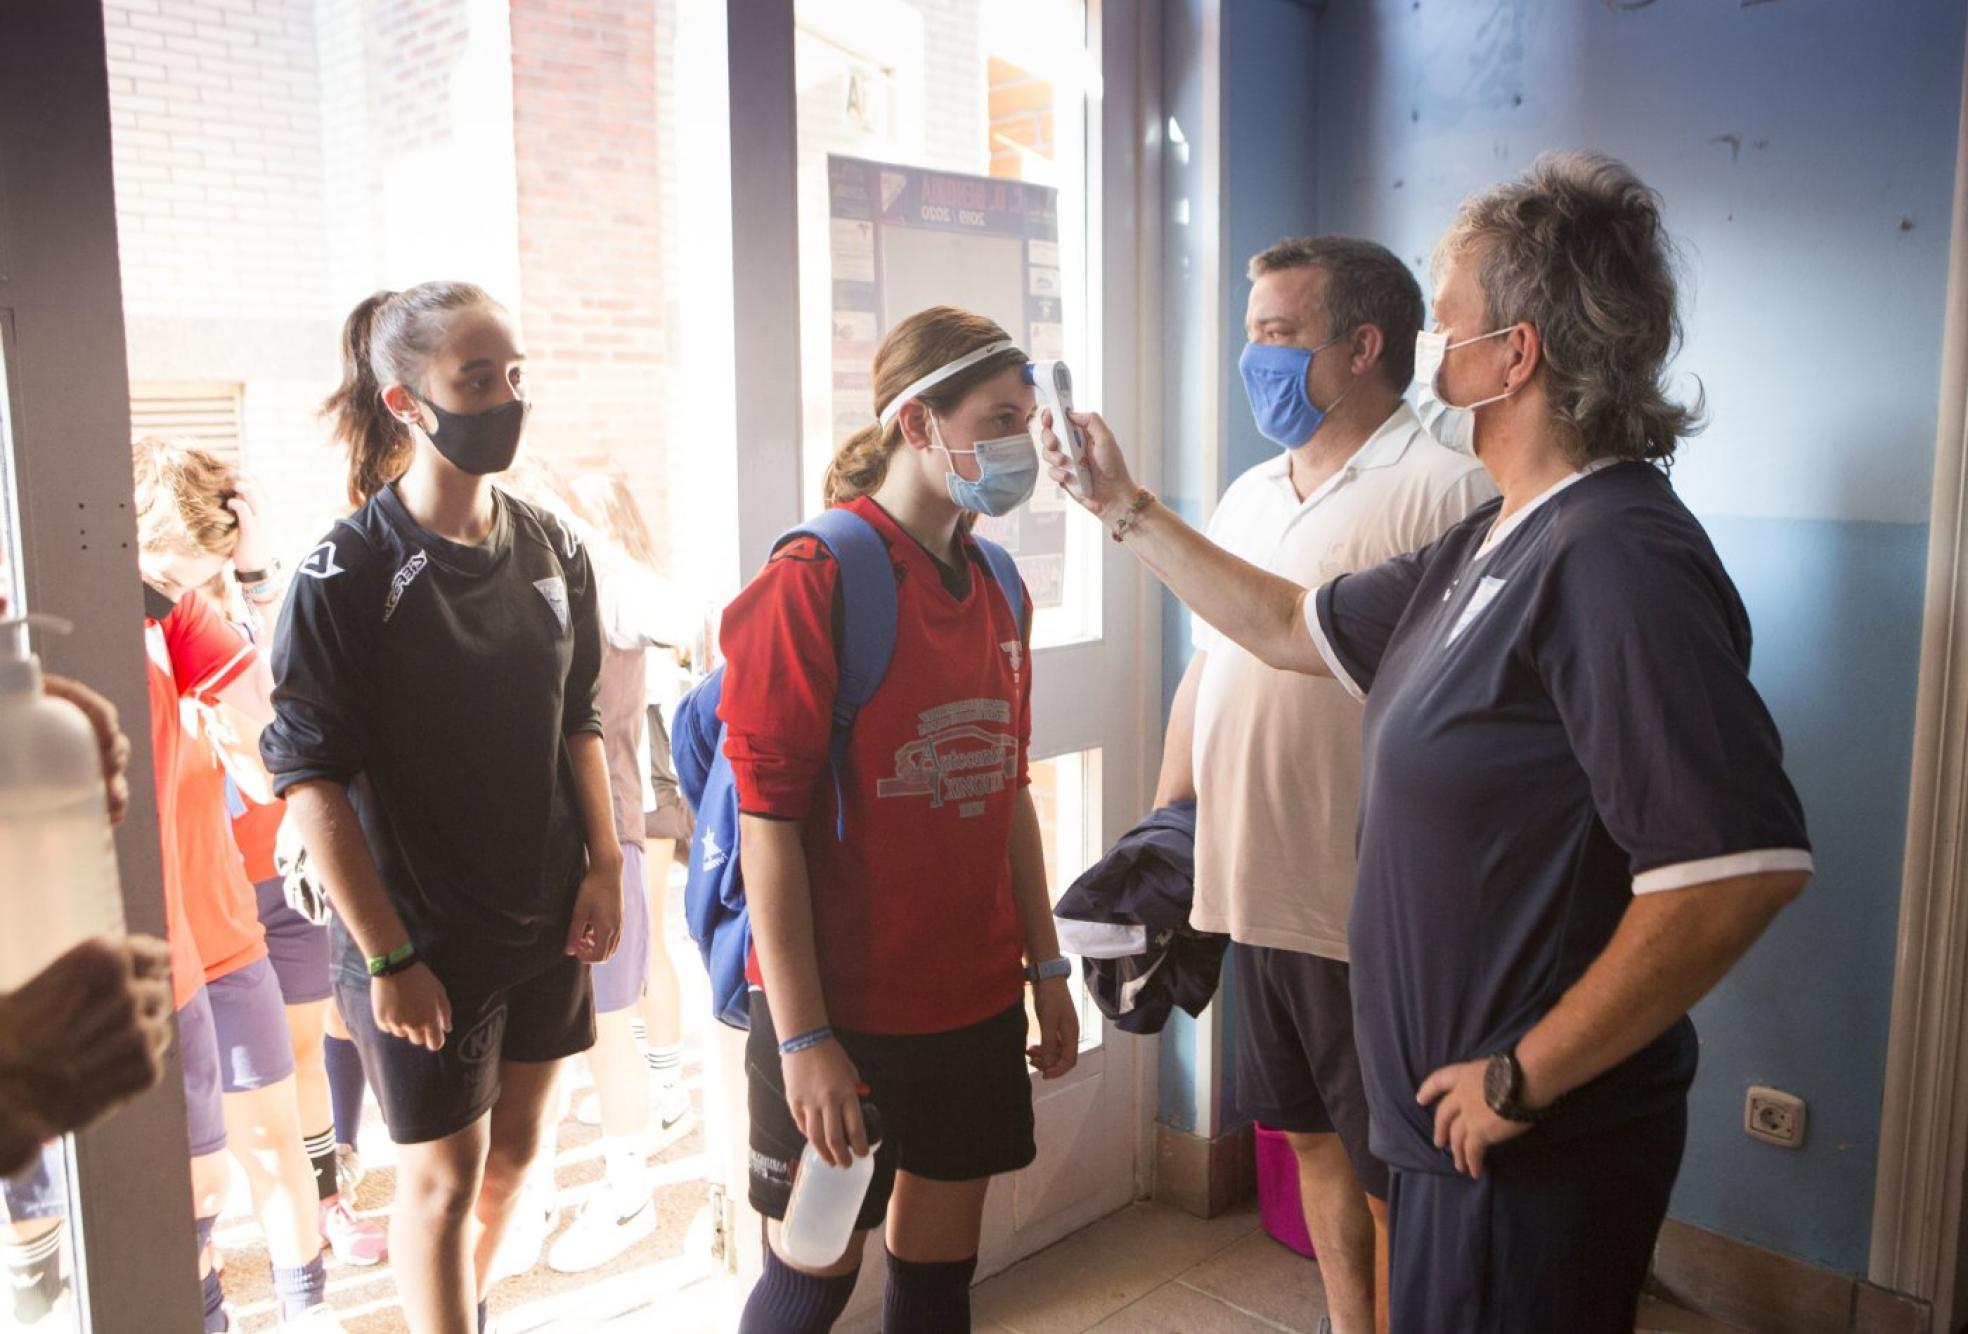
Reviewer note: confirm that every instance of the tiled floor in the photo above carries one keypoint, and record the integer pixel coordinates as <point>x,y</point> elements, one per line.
<point>1153,1270</point>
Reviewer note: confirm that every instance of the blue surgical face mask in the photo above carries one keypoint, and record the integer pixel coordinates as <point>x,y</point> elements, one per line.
<point>1007,473</point>
<point>1274,378</point>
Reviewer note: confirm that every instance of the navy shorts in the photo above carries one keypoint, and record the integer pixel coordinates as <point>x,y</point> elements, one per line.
<point>1555,1239</point>
<point>1297,1067</point>
<point>298,949</point>
<point>955,1106</point>
<point>198,1050</point>
<point>428,1095</point>
<point>619,981</point>
<point>256,1049</point>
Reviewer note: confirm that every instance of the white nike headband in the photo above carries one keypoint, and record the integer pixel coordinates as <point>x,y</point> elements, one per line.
<point>938,376</point>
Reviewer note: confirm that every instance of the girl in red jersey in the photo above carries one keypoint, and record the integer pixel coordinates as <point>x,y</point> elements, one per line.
<point>895,959</point>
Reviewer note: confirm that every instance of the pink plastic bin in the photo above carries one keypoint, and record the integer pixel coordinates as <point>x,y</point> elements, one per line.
<point>1278,1206</point>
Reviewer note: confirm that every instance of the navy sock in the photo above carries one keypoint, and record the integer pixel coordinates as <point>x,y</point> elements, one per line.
<point>345,1086</point>
<point>301,1286</point>
<point>927,1298</point>
<point>481,1318</point>
<point>785,1301</point>
<point>215,1316</point>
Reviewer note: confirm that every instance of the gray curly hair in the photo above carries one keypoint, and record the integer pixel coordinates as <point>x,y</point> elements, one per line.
<point>1576,247</point>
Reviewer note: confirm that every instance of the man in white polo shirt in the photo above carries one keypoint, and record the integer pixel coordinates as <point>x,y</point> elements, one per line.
<point>1273,758</point>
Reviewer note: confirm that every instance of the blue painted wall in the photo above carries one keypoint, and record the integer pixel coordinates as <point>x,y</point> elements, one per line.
<point>1806,151</point>
<point>1269,190</point>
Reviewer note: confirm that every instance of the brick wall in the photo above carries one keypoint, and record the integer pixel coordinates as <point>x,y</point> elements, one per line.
<point>215,109</point>
<point>586,136</point>
<point>1020,107</point>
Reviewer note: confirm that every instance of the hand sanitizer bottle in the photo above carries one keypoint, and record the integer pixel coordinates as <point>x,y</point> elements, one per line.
<point>58,883</point>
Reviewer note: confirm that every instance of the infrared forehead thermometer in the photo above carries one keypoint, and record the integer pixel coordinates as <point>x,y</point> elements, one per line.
<point>1054,381</point>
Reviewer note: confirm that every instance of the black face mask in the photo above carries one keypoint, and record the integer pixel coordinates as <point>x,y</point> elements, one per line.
<point>480,443</point>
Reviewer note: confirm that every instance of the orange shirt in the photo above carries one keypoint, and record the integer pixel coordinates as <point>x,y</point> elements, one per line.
<point>193,654</point>
<point>256,832</point>
<point>219,899</point>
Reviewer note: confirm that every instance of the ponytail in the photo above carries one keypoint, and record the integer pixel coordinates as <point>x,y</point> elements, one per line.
<point>860,466</point>
<point>378,444</point>
<point>389,339</point>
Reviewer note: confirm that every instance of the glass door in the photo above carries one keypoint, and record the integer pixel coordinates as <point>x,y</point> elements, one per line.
<point>950,152</point>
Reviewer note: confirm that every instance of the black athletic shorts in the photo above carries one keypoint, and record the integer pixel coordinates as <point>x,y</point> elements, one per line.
<point>1297,1067</point>
<point>426,1095</point>
<point>955,1106</point>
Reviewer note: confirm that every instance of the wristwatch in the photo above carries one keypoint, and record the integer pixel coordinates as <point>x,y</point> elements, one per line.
<point>1040,972</point>
<point>1503,1087</point>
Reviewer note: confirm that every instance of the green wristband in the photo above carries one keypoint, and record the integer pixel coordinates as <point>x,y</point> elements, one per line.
<point>398,959</point>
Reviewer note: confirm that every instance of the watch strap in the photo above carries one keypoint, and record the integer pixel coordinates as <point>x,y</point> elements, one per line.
<point>1051,968</point>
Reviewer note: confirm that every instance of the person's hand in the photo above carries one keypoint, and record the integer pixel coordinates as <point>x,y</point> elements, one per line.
<point>1464,1123</point>
<point>249,507</point>
<point>115,747</point>
<point>1058,1049</point>
<point>412,1005</point>
<point>1112,487</point>
<point>86,1033</point>
<point>823,1092</point>
<point>596,926</point>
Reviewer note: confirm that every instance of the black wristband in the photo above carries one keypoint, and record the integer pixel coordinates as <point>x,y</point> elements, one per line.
<point>252,576</point>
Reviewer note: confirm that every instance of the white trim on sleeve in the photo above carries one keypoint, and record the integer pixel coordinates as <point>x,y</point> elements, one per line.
<point>1324,645</point>
<point>1709,869</point>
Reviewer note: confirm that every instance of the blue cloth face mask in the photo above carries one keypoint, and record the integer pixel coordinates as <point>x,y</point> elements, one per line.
<point>1007,473</point>
<point>1274,379</point>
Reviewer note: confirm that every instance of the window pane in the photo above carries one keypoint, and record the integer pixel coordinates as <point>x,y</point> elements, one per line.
<point>1066,794</point>
<point>36,1241</point>
<point>942,161</point>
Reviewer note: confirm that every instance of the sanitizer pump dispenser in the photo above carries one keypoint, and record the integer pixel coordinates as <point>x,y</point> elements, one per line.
<point>58,883</point>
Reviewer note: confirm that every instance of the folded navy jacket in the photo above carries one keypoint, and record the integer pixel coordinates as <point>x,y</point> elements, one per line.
<point>1128,920</point>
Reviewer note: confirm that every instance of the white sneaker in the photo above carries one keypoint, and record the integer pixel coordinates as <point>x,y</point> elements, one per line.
<point>588,1110</point>
<point>669,1120</point>
<point>526,1235</point>
<point>316,1320</point>
<point>601,1232</point>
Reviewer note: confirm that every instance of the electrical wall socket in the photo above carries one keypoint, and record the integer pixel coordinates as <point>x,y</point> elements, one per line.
<point>1775,1117</point>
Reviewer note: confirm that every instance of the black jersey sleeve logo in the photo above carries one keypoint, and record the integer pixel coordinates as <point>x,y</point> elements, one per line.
<point>320,563</point>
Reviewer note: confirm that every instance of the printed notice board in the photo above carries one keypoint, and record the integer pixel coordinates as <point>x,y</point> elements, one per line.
<point>905,238</point>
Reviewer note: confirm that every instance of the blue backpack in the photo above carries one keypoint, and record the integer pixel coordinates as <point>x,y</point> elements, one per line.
<point>714,892</point>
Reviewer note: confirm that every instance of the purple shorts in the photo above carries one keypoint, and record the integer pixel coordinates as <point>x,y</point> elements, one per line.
<point>255,1049</point>
<point>297,948</point>
<point>618,983</point>
<point>39,1190</point>
<point>198,1047</point>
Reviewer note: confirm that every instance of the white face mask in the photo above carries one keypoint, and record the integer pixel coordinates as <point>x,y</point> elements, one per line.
<point>1452,424</point>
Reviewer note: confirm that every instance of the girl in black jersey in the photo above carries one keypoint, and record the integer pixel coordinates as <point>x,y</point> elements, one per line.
<point>438,744</point>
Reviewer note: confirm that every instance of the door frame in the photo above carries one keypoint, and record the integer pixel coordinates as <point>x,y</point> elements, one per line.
<point>68,404</point>
<point>1124,143</point>
<point>1920,1209</point>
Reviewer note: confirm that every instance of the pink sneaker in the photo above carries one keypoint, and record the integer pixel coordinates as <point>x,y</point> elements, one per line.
<point>355,1241</point>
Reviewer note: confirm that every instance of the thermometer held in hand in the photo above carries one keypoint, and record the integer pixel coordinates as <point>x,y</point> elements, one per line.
<point>1054,381</point>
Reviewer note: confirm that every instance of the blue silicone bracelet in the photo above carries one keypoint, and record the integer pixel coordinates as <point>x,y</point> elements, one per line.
<point>806,1040</point>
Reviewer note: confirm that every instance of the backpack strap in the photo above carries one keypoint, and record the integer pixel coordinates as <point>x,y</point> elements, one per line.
<point>1004,569</point>
<point>868,638</point>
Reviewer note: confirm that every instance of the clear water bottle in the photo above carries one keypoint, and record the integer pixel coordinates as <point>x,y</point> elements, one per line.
<point>826,1201</point>
<point>58,883</point>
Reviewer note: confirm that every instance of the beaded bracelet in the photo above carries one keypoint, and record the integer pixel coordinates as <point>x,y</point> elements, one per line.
<point>805,1040</point>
